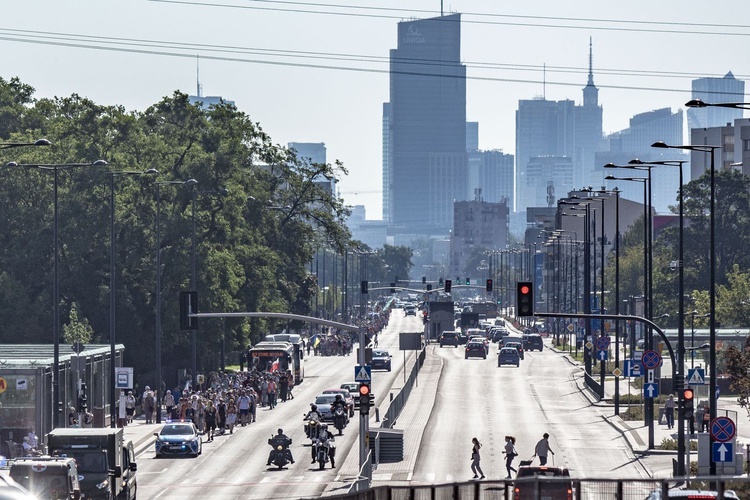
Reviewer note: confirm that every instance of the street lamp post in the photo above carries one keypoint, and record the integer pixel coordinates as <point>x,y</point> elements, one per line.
<point>55,168</point>
<point>112,269</point>
<point>189,182</point>
<point>712,277</point>
<point>38,142</point>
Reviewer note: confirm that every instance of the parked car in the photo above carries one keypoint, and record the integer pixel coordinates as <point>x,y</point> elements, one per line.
<point>475,349</point>
<point>448,338</point>
<point>533,341</point>
<point>381,360</point>
<point>517,345</point>
<point>178,438</point>
<point>508,356</point>
<point>556,489</point>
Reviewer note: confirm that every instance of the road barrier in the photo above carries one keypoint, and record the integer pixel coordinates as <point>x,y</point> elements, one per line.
<point>399,401</point>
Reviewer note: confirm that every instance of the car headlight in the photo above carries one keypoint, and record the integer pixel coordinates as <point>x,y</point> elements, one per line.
<point>104,484</point>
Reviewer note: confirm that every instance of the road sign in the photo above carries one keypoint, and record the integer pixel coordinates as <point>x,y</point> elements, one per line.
<point>200,378</point>
<point>362,373</point>
<point>123,377</point>
<point>650,390</point>
<point>571,328</point>
<point>589,345</point>
<point>723,452</point>
<point>649,376</point>
<point>601,355</point>
<point>633,368</point>
<point>3,385</point>
<point>651,359</point>
<point>696,376</point>
<point>78,347</point>
<point>616,372</point>
<point>723,429</point>
<point>602,343</point>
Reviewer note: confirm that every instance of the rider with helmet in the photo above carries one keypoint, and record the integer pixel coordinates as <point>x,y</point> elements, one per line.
<point>283,440</point>
<point>314,411</point>
<point>312,417</point>
<point>340,403</point>
<point>324,436</point>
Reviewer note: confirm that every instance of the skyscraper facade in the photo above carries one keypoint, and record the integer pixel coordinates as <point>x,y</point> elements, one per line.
<point>714,90</point>
<point>426,118</point>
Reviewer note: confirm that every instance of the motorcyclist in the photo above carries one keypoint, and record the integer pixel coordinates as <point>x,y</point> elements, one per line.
<point>285,441</point>
<point>324,436</point>
<point>338,403</point>
<point>313,414</point>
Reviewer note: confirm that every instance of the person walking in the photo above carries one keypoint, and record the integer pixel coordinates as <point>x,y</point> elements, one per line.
<point>510,454</point>
<point>475,458</point>
<point>210,420</point>
<point>542,449</point>
<point>669,411</point>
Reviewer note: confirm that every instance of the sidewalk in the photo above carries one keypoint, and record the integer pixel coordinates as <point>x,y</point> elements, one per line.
<point>142,434</point>
<point>656,462</point>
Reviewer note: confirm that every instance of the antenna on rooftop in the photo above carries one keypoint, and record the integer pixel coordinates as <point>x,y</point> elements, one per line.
<point>198,75</point>
<point>544,82</point>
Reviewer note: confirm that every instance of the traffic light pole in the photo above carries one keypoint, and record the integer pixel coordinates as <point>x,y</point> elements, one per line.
<point>364,421</point>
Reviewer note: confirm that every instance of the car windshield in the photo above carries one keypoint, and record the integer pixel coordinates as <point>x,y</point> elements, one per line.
<point>379,354</point>
<point>176,430</point>
<point>476,344</point>
<point>41,485</point>
<point>326,399</point>
<point>344,393</point>
<point>92,461</point>
<point>508,350</point>
<point>541,472</point>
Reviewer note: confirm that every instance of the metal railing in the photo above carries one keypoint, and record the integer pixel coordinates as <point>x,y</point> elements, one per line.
<point>533,488</point>
<point>399,401</point>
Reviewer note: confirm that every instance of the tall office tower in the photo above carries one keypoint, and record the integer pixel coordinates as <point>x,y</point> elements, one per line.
<point>492,172</point>
<point>427,127</point>
<point>387,174</point>
<point>726,89</point>
<point>557,129</point>
<point>314,152</point>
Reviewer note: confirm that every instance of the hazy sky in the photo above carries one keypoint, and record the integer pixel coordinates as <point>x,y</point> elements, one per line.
<point>318,72</point>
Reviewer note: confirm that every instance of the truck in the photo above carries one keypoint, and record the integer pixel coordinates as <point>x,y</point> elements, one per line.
<point>105,460</point>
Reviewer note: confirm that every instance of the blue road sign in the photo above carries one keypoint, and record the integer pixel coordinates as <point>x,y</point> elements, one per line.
<point>362,373</point>
<point>696,376</point>
<point>633,368</point>
<point>651,359</point>
<point>602,343</point>
<point>723,452</point>
<point>650,390</point>
<point>601,355</point>
<point>723,429</point>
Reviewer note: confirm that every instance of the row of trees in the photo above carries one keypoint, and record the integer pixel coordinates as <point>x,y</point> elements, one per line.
<point>260,212</point>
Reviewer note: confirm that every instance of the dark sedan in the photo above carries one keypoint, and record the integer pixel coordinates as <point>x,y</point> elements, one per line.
<point>475,349</point>
<point>518,346</point>
<point>381,360</point>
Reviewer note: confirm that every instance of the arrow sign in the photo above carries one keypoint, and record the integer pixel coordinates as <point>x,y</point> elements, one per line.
<point>362,373</point>
<point>650,376</point>
<point>601,355</point>
<point>723,452</point>
<point>650,390</point>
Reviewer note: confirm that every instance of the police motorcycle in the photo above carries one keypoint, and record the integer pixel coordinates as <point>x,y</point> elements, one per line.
<point>338,409</point>
<point>313,420</point>
<point>280,454</point>
<point>324,448</point>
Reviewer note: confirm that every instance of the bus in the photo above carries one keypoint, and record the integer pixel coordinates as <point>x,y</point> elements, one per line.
<point>299,351</point>
<point>269,356</point>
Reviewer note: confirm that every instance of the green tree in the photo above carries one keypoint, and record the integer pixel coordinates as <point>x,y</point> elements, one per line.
<point>77,330</point>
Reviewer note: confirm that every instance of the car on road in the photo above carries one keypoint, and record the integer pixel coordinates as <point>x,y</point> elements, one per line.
<point>410,310</point>
<point>381,360</point>
<point>178,438</point>
<point>348,398</point>
<point>483,340</point>
<point>449,338</point>
<point>532,342</point>
<point>518,346</point>
<point>475,349</point>
<point>509,338</point>
<point>324,402</point>
<point>46,477</point>
<point>508,356</point>
<point>353,388</point>
<point>551,485</point>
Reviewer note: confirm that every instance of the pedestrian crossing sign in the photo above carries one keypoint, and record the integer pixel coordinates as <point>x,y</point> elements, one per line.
<point>696,376</point>
<point>362,373</point>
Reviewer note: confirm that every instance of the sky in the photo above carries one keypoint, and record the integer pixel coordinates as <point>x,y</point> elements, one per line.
<point>313,71</point>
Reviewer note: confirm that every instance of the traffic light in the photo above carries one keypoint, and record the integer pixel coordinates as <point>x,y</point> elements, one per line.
<point>489,285</point>
<point>424,279</point>
<point>393,288</point>
<point>363,286</point>
<point>441,281</point>
<point>468,281</point>
<point>525,298</point>
<point>188,305</point>
<point>364,398</point>
<point>448,284</point>
<point>429,287</point>
<point>687,401</point>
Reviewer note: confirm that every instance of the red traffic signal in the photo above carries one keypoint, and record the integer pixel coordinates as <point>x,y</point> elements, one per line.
<point>525,298</point>
<point>489,285</point>
<point>448,284</point>
<point>364,398</point>
<point>364,390</point>
<point>687,395</point>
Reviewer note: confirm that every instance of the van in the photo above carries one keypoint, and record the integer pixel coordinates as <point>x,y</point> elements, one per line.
<point>47,477</point>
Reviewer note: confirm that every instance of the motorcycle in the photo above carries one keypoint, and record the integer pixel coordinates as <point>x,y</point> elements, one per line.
<point>323,451</point>
<point>339,419</point>
<point>280,455</point>
<point>312,426</point>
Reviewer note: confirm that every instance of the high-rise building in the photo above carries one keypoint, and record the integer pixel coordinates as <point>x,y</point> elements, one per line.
<point>425,154</point>
<point>314,152</point>
<point>734,139</point>
<point>557,129</point>
<point>492,172</point>
<point>714,90</point>
<point>477,225</point>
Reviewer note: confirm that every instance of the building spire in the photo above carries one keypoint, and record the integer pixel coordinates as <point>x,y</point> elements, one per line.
<point>591,63</point>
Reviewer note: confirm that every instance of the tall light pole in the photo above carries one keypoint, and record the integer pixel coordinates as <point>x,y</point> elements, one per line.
<point>55,168</point>
<point>191,183</point>
<point>38,142</point>
<point>112,269</point>
<point>703,148</point>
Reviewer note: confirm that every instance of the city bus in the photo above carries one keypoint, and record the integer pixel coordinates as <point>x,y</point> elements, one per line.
<point>269,356</point>
<point>299,351</point>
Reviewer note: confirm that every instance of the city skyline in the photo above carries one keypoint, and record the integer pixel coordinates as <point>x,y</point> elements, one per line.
<point>310,72</point>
